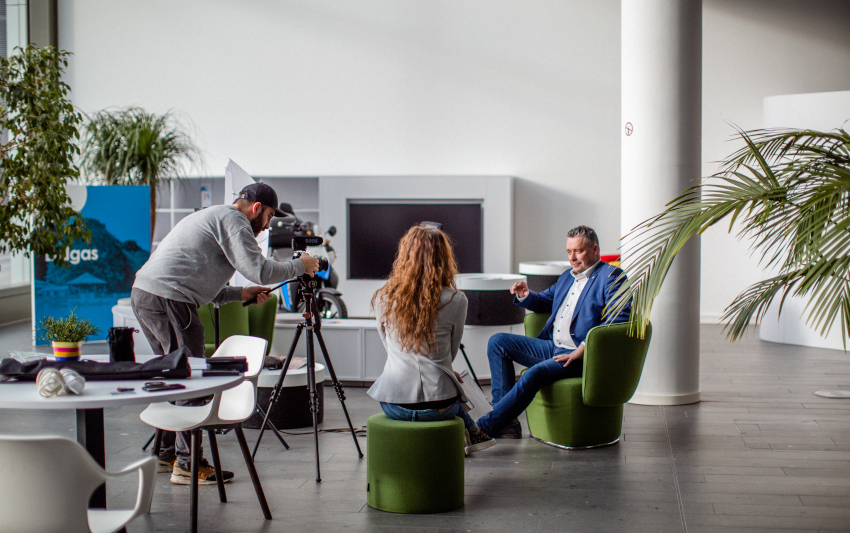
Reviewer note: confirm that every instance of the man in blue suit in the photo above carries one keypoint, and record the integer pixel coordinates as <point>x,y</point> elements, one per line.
<point>576,303</point>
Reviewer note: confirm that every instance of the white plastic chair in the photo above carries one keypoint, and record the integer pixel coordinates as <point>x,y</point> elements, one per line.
<point>47,484</point>
<point>228,409</point>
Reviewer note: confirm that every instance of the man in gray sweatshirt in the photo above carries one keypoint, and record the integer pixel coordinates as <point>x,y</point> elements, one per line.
<point>190,268</point>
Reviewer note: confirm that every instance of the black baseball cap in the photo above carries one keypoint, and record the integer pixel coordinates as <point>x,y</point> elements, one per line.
<point>260,192</point>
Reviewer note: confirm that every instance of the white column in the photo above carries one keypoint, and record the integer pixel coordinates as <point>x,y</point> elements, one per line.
<point>16,25</point>
<point>661,106</point>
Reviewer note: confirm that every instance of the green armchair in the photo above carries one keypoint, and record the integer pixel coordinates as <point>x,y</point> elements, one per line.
<point>253,320</point>
<point>587,412</point>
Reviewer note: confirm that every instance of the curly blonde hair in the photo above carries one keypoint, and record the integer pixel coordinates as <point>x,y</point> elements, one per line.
<point>424,265</point>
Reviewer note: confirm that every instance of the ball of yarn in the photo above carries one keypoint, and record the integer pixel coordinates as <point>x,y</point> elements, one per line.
<point>50,382</point>
<point>74,382</point>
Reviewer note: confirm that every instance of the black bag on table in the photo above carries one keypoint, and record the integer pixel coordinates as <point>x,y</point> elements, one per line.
<point>239,363</point>
<point>172,366</point>
<point>121,347</point>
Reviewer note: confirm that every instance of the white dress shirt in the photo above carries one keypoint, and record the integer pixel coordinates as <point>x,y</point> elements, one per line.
<point>561,334</point>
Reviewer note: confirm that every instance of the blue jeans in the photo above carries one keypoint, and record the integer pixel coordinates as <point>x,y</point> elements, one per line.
<point>511,397</point>
<point>397,412</point>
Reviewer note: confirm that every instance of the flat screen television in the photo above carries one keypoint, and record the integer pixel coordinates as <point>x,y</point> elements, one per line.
<point>375,229</point>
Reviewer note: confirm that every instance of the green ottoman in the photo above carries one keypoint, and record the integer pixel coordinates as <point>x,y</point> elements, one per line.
<point>414,467</point>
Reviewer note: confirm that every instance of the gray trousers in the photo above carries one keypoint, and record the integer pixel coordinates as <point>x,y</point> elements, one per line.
<point>169,325</point>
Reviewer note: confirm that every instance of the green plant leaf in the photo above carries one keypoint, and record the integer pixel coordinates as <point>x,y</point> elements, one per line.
<point>69,329</point>
<point>37,160</point>
<point>789,193</point>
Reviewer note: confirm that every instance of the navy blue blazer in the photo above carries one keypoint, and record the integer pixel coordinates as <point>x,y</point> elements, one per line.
<point>598,292</point>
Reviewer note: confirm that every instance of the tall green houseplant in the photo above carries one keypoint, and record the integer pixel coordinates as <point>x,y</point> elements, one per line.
<point>37,159</point>
<point>133,147</point>
<point>788,192</point>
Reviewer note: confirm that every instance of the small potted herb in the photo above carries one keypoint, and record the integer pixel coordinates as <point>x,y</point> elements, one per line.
<point>66,335</point>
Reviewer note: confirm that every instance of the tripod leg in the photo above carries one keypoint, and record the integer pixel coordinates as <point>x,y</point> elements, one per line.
<point>148,443</point>
<point>157,442</point>
<point>217,326</point>
<point>277,388</point>
<point>314,396</point>
<point>272,427</point>
<point>339,390</point>
<point>469,365</point>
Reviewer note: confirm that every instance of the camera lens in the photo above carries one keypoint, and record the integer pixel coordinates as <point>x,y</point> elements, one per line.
<point>323,264</point>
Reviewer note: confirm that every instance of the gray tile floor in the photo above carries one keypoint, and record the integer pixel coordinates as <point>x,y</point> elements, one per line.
<point>760,453</point>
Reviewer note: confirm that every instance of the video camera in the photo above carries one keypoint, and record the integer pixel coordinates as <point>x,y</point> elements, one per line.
<point>283,230</point>
<point>300,244</point>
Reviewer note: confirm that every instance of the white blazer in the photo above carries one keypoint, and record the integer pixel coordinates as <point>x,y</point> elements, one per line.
<point>411,377</point>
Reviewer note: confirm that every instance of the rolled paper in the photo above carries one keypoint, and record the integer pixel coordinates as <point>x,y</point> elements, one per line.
<point>74,382</point>
<point>50,382</point>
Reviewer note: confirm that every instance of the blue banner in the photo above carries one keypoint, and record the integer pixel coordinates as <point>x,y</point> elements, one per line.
<point>102,271</point>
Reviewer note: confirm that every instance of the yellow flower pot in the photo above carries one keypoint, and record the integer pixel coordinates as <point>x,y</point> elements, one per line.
<point>66,351</point>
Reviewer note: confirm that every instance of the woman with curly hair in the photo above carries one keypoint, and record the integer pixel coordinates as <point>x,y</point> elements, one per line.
<point>420,316</point>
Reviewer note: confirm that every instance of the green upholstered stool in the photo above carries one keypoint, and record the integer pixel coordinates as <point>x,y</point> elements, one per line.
<point>587,412</point>
<point>261,320</point>
<point>414,467</point>
<point>254,320</point>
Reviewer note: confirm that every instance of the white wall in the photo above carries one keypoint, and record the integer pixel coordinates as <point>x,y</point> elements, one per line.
<point>752,50</point>
<point>527,88</point>
<point>815,111</point>
<point>380,87</point>
<point>802,111</point>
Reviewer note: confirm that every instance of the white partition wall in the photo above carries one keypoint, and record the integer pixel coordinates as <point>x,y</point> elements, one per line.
<point>661,97</point>
<point>824,112</point>
<point>495,193</point>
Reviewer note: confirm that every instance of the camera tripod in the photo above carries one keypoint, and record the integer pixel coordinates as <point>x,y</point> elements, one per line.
<point>307,289</point>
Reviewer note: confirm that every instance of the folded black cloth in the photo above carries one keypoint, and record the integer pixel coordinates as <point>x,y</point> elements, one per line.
<point>172,366</point>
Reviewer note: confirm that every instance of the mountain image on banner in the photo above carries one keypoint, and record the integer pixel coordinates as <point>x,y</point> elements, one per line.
<point>106,258</point>
<point>103,271</point>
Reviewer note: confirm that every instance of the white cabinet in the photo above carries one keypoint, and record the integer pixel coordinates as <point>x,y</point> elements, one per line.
<point>356,350</point>
<point>353,344</point>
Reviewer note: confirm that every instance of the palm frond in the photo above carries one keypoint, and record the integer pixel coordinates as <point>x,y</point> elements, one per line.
<point>788,192</point>
<point>133,147</point>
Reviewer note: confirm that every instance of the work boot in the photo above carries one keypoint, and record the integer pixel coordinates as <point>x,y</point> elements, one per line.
<point>182,474</point>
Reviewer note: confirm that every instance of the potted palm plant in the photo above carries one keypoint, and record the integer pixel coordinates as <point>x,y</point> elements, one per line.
<point>788,191</point>
<point>133,147</point>
<point>66,335</point>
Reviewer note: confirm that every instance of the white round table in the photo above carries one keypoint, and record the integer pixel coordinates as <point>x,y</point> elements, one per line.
<point>490,302</point>
<point>96,397</point>
<point>294,378</point>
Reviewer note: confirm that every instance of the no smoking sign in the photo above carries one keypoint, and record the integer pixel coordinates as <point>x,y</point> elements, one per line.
<point>629,128</point>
